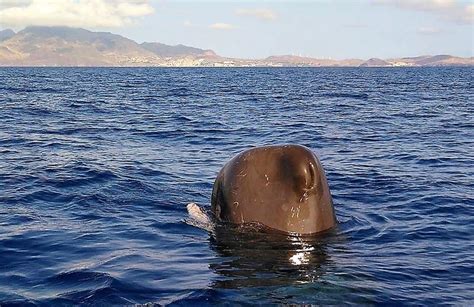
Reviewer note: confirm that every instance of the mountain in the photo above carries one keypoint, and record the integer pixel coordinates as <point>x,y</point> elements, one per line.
<point>437,60</point>
<point>426,60</point>
<point>165,51</point>
<point>65,46</point>
<point>6,34</point>
<point>374,62</point>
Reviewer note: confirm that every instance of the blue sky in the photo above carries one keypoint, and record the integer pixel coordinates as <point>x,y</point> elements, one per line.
<point>256,29</point>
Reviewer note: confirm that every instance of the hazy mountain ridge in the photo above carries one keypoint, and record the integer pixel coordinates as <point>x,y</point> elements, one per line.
<point>374,62</point>
<point>64,46</point>
<point>437,60</point>
<point>163,50</point>
<point>6,34</point>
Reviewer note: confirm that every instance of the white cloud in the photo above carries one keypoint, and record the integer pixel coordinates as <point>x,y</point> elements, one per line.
<point>452,10</point>
<point>221,26</point>
<point>12,3</point>
<point>74,13</point>
<point>264,14</point>
<point>424,5</point>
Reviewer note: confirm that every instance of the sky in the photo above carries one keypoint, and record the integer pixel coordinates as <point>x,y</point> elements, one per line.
<point>257,29</point>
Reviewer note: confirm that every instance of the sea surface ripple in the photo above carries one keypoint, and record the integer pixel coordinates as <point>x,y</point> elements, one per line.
<point>97,166</point>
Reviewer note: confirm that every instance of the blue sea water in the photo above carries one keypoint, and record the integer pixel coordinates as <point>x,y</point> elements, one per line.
<point>97,166</point>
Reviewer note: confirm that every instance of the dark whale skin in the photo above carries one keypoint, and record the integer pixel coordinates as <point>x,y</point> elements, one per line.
<point>282,187</point>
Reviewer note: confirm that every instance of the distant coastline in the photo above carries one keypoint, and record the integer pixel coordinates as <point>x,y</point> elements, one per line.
<point>76,47</point>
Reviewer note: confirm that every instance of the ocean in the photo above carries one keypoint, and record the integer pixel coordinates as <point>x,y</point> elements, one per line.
<point>97,166</point>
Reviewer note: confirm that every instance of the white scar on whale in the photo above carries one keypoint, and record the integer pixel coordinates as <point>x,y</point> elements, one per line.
<point>199,218</point>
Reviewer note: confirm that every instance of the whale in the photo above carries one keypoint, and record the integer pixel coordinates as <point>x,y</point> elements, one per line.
<point>282,187</point>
